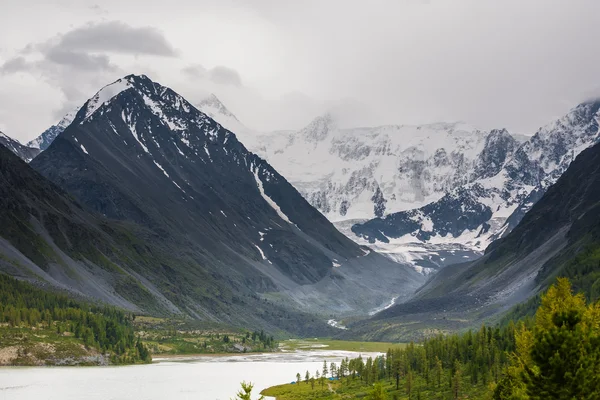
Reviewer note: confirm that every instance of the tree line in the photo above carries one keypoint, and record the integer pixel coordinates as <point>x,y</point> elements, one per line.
<point>440,366</point>
<point>104,328</point>
<point>554,355</point>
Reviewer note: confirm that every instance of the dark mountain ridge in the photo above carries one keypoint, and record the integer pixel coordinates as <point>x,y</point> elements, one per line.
<point>197,223</point>
<point>50,240</point>
<point>24,152</point>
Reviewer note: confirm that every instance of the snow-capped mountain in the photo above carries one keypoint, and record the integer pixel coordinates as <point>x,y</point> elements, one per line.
<point>24,152</point>
<point>139,152</point>
<point>45,139</point>
<point>510,179</point>
<point>370,172</point>
<point>447,185</point>
<point>210,106</point>
<point>214,108</point>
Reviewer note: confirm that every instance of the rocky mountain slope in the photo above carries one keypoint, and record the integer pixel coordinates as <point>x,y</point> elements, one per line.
<point>210,106</point>
<point>48,239</point>
<point>454,189</point>
<point>508,179</point>
<point>47,137</point>
<point>439,193</point>
<point>559,236</point>
<point>24,152</point>
<point>367,172</point>
<point>140,154</point>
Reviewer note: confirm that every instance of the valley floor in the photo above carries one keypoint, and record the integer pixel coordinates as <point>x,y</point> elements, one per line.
<point>332,344</point>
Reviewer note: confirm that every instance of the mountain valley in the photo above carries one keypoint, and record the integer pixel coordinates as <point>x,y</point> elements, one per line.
<point>176,216</point>
<point>557,237</point>
<point>149,228</point>
<point>437,199</point>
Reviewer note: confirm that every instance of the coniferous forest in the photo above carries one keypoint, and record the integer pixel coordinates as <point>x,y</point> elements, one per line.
<point>554,355</point>
<point>27,312</point>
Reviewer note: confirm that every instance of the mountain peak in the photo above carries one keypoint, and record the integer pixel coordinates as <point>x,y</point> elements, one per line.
<point>108,92</point>
<point>147,90</point>
<point>43,141</point>
<point>146,155</point>
<point>496,133</point>
<point>588,109</point>
<point>319,128</point>
<point>68,118</point>
<point>24,152</point>
<point>135,77</point>
<point>212,106</point>
<point>141,83</point>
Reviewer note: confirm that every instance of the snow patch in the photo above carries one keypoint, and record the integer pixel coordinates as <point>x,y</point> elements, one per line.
<point>262,254</point>
<point>104,95</point>
<point>335,324</point>
<point>179,150</point>
<point>162,169</point>
<point>269,201</point>
<point>131,124</point>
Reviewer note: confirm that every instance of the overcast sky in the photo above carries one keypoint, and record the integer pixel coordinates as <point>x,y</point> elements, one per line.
<point>277,64</point>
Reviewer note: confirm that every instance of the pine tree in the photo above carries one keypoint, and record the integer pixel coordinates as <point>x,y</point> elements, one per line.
<point>560,357</point>
<point>317,374</point>
<point>409,384</point>
<point>438,371</point>
<point>456,379</point>
<point>565,353</point>
<point>378,392</point>
<point>245,392</point>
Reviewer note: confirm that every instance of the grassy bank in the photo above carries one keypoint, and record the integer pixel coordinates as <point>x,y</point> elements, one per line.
<point>165,337</point>
<point>331,344</point>
<point>354,389</point>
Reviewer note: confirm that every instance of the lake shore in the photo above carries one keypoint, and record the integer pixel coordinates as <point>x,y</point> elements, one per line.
<point>212,377</point>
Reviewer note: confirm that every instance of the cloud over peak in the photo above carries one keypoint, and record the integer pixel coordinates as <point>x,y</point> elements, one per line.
<point>116,37</point>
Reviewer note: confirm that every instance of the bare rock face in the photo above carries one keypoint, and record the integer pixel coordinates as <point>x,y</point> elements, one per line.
<point>24,152</point>
<point>43,141</point>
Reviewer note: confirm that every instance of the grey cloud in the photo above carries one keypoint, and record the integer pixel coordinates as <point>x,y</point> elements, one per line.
<point>117,37</point>
<point>195,71</point>
<point>225,76</point>
<point>220,74</point>
<point>516,65</point>
<point>16,64</point>
<point>79,60</point>
<point>77,63</point>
